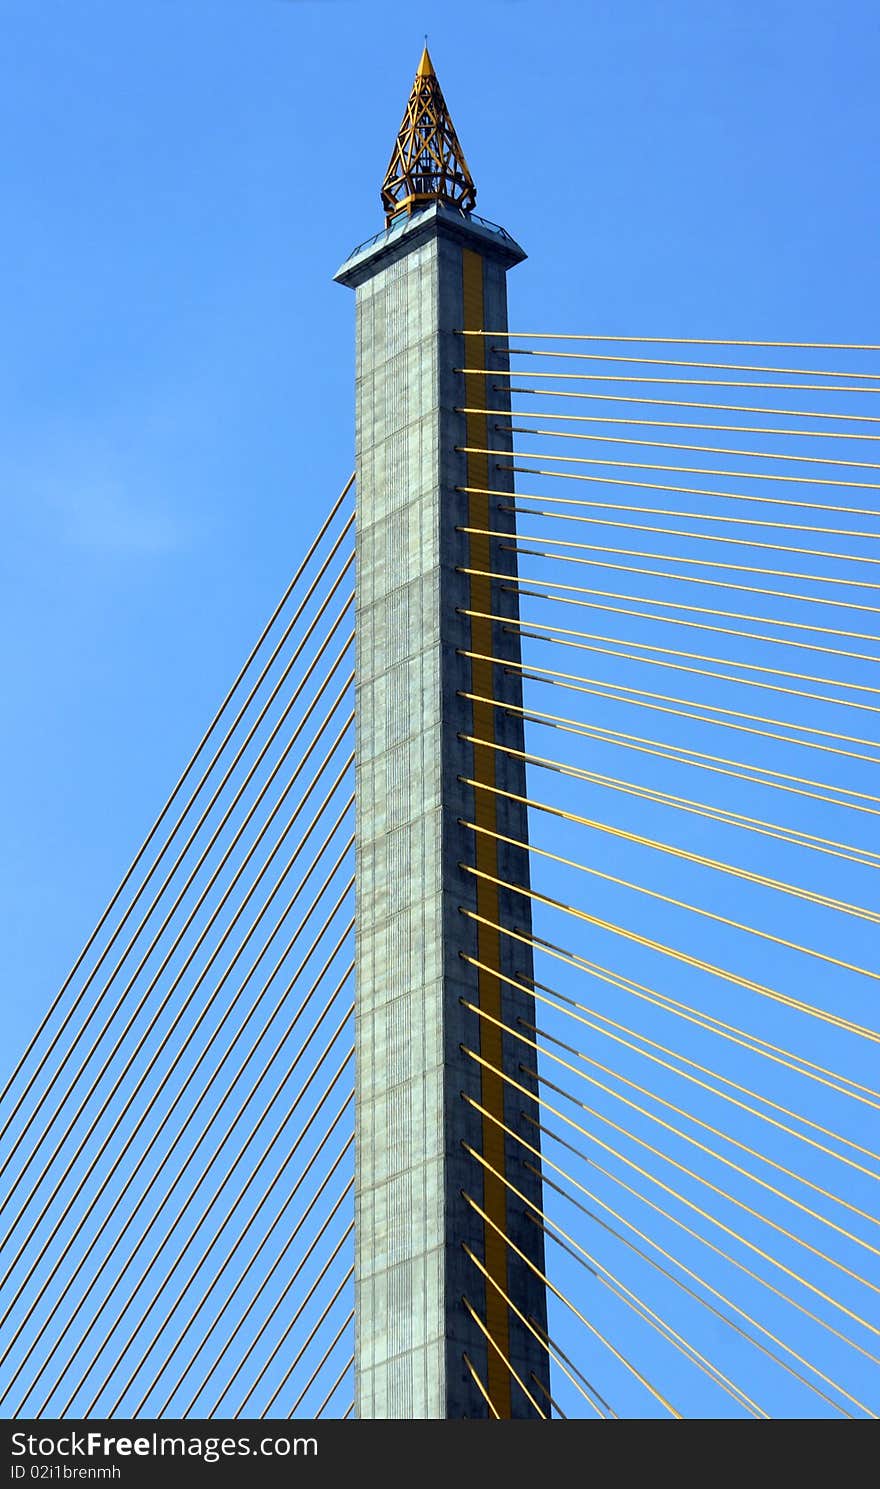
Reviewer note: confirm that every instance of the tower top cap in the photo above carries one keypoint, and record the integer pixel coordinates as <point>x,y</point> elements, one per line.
<point>427,163</point>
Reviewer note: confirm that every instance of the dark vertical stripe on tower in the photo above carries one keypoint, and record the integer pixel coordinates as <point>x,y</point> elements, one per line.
<point>486,848</point>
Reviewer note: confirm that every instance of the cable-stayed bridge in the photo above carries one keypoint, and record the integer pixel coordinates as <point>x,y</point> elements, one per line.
<point>487,1026</point>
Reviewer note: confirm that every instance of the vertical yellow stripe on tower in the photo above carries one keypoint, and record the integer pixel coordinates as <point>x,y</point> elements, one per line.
<point>485,808</point>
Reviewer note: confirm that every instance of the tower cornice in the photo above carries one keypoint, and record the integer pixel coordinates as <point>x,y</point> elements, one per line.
<point>408,232</point>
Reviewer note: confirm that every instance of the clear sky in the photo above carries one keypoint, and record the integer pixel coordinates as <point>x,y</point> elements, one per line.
<point>179,180</point>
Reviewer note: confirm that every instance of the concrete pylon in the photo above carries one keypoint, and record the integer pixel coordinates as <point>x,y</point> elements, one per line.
<point>433,924</point>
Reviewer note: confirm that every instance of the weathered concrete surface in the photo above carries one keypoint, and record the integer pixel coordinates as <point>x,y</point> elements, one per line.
<point>411,1219</point>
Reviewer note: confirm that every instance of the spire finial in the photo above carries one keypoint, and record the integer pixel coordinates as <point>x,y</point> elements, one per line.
<point>427,163</point>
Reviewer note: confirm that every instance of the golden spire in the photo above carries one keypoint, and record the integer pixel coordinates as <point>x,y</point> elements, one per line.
<point>427,163</point>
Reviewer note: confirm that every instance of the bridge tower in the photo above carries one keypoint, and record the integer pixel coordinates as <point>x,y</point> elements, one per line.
<point>448,1306</point>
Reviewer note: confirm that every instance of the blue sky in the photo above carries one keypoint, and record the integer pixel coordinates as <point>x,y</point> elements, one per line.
<point>180,180</point>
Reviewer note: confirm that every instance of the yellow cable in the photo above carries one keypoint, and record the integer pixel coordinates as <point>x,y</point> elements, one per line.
<point>500,1352</point>
<point>520,585</point>
<point>528,628</point>
<point>727,408</point>
<point>746,1040</point>
<point>551,1401</point>
<point>752,589</point>
<point>684,362</point>
<point>664,444</point>
<point>542,1334</point>
<point>719,1132</point>
<point>722,1193</point>
<point>710,1370</point>
<point>774,996</point>
<point>547,1162</point>
<point>573,1248</point>
<point>747,682</point>
<point>544,1343</point>
<point>518,499</point>
<point>697,656</point>
<point>682,470</point>
<point>685,804</point>
<point>552,675</point>
<point>676,558</point>
<point>665,1272</point>
<point>689,362</point>
<point>691,1204</point>
<point>672,532</point>
<point>558,1002</point>
<point>568,1303</point>
<point>573,683</point>
<point>626,1294</point>
<point>480,1387</point>
<point>524,587</point>
<point>703,1240</point>
<point>750,877</point>
<point>667,486</point>
<point>696,1143</point>
<point>512,582</point>
<point>821,346</point>
<point>603,735</point>
<point>524,413</point>
<point>827,1017</point>
<point>669,382</point>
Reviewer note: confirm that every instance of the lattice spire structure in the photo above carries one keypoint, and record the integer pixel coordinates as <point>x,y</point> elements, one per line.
<point>427,163</point>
